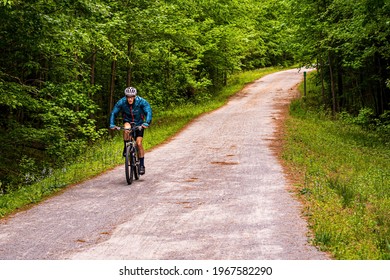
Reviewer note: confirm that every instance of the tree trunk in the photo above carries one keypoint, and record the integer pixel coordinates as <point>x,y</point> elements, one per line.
<point>382,85</point>
<point>93,66</point>
<point>342,103</point>
<point>112,84</point>
<point>332,85</point>
<point>112,90</point>
<point>129,47</point>
<point>322,80</point>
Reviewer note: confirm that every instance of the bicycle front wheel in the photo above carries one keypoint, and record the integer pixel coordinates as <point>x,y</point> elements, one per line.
<point>136,164</point>
<point>128,166</point>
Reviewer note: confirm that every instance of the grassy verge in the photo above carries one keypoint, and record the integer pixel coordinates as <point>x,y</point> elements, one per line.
<point>344,180</point>
<point>106,153</point>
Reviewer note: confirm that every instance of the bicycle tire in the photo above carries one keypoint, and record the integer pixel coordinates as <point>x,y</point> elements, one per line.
<point>128,166</point>
<point>136,164</point>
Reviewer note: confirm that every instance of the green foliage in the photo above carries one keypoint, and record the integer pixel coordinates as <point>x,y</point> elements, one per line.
<point>7,2</point>
<point>367,120</point>
<point>349,43</point>
<point>41,125</point>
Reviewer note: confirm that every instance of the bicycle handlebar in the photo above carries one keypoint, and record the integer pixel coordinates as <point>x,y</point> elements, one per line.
<point>134,128</point>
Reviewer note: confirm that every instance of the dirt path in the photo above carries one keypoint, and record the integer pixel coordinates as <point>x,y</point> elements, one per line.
<point>220,194</point>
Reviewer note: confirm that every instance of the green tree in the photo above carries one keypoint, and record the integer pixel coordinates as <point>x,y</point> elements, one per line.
<point>349,40</point>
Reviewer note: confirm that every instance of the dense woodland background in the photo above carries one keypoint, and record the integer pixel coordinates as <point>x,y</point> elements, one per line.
<point>64,63</point>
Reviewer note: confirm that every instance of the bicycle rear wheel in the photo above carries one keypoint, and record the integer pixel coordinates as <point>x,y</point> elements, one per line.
<point>128,166</point>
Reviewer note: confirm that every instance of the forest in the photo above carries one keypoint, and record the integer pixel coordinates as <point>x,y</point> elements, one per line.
<point>64,63</point>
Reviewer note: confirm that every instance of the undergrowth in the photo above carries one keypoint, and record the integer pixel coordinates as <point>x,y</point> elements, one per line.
<point>344,180</point>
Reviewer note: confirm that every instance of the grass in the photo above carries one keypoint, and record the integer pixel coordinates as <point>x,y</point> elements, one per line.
<point>344,180</point>
<point>106,153</point>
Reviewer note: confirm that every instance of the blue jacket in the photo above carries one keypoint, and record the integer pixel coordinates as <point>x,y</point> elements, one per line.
<point>139,112</point>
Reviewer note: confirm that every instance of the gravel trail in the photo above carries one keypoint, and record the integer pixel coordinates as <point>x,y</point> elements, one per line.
<point>214,191</point>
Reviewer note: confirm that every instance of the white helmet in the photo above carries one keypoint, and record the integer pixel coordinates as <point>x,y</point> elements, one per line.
<point>130,91</point>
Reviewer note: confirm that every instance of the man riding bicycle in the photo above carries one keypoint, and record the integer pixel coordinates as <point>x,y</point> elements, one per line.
<point>137,110</point>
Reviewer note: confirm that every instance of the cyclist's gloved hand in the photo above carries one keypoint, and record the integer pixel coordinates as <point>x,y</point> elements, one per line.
<point>113,127</point>
<point>145,125</point>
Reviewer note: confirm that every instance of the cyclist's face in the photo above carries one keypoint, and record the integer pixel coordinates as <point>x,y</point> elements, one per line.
<point>130,99</point>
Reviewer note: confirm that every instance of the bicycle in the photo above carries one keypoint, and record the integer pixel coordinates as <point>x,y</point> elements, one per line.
<point>132,163</point>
